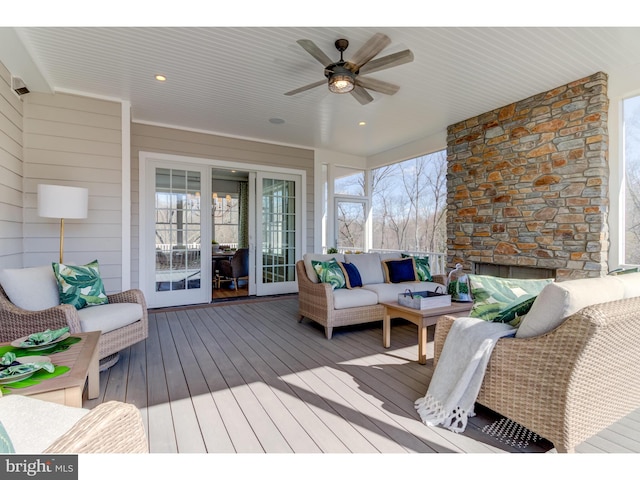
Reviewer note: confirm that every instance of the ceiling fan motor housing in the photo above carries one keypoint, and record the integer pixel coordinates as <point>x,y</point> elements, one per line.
<point>342,44</point>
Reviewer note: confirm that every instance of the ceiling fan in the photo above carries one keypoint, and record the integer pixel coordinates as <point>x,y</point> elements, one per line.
<point>347,76</point>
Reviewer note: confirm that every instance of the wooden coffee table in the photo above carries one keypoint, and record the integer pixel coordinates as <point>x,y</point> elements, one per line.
<point>422,318</point>
<point>82,359</point>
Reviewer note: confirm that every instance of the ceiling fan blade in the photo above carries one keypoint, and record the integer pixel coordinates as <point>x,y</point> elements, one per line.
<point>306,87</point>
<point>377,85</point>
<point>361,95</point>
<point>370,49</point>
<point>388,61</point>
<point>315,52</point>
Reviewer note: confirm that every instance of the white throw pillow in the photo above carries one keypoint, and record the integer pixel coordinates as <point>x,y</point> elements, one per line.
<point>559,300</point>
<point>369,265</point>
<point>34,424</point>
<point>33,288</point>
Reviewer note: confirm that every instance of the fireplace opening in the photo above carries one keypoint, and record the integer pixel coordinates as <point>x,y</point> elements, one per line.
<point>512,271</point>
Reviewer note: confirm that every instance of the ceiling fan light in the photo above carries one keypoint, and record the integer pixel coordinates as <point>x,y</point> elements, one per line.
<point>341,80</point>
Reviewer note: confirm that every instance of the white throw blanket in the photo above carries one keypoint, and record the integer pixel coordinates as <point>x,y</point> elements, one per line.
<point>459,373</point>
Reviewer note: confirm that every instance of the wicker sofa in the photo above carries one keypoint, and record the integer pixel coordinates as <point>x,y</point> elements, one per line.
<point>123,321</point>
<point>33,426</point>
<point>570,382</point>
<point>337,308</point>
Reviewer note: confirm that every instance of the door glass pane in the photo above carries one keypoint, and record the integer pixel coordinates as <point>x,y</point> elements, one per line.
<point>177,232</point>
<point>350,225</point>
<point>278,230</point>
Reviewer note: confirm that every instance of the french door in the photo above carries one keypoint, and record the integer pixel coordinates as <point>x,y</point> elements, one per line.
<point>175,229</point>
<point>278,232</point>
<point>177,243</point>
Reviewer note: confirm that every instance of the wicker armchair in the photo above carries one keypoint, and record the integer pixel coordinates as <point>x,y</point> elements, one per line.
<point>16,322</point>
<point>570,383</point>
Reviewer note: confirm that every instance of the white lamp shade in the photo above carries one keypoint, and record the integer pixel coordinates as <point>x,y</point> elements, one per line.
<point>58,201</point>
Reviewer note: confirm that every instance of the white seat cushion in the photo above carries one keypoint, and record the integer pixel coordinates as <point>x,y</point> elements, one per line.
<point>559,300</point>
<point>355,297</point>
<point>108,317</point>
<point>32,424</point>
<point>33,288</point>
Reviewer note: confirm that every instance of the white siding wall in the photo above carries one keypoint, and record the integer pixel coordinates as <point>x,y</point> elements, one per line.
<point>74,140</point>
<point>11,168</point>
<point>150,138</point>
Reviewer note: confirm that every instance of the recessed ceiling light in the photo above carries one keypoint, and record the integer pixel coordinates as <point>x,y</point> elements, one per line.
<point>276,121</point>
<point>161,78</point>
<point>362,124</point>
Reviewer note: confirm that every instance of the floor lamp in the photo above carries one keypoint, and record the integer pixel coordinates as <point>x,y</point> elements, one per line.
<point>58,201</point>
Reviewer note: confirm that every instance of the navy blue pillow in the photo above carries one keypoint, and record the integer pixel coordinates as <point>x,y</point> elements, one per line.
<point>351,275</point>
<point>400,270</point>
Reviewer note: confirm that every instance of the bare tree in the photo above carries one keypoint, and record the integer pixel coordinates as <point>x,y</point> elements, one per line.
<point>409,204</point>
<point>413,180</point>
<point>435,216</point>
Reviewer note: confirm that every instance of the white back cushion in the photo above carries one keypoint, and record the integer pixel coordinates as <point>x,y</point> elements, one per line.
<point>369,265</point>
<point>390,256</point>
<point>559,300</point>
<point>33,288</point>
<point>320,257</point>
<point>631,283</point>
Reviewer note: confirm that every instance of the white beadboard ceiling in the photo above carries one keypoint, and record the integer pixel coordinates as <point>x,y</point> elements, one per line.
<point>232,80</point>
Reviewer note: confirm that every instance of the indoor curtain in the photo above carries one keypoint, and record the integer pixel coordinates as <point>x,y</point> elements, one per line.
<point>243,220</point>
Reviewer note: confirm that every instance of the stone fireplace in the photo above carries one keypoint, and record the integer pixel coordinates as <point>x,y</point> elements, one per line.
<point>528,183</point>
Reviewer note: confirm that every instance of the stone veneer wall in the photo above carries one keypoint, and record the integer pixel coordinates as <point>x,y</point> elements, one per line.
<point>528,183</point>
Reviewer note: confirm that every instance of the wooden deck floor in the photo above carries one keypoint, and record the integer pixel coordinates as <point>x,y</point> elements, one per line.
<point>247,377</point>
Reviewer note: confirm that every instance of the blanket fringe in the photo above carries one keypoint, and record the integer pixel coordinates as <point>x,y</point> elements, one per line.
<point>432,413</point>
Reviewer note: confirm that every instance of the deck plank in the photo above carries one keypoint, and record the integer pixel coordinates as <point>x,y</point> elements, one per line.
<point>269,437</point>
<point>161,432</point>
<point>291,390</point>
<point>334,353</point>
<point>294,435</point>
<point>246,376</point>
<point>231,429</point>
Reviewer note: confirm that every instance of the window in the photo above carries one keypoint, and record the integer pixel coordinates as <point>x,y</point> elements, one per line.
<point>631,232</point>
<point>409,204</point>
<point>350,219</point>
<point>348,182</point>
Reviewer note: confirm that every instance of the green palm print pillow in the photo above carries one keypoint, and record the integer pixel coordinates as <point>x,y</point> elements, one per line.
<point>80,285</point>
<point>329,272</point>
<point>504,300</point>
<point>423,269</point>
